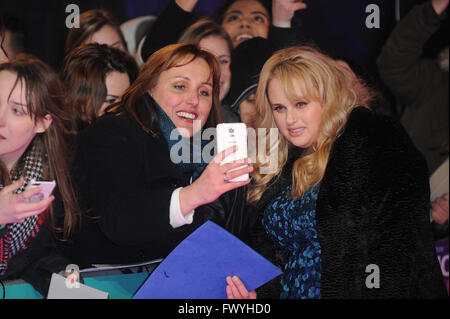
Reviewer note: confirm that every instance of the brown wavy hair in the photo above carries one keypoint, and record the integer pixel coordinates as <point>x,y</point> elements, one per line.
<point>91,21</point>
<point>45,96</point>
<point>171,56</point>
<point>84,74</point>
<point>322,79</point>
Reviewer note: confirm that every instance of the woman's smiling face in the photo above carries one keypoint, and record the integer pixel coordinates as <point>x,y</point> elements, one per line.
<point>185,93</point>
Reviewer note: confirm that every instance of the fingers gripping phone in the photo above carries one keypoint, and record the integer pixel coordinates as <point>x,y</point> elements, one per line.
<point>47,189</point>
<point>230,134</point>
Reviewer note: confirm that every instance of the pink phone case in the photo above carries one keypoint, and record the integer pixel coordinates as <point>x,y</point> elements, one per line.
<point>47,189</point>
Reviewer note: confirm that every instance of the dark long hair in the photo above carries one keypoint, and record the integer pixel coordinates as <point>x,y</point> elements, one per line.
<point>90,22</point>
<point>45,96</point>
<point>84,74</point>
<point>173,55</point>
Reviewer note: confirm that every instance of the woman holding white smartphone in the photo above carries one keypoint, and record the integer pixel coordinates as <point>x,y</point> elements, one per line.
<point>32,148</point>
<point>142,201</point>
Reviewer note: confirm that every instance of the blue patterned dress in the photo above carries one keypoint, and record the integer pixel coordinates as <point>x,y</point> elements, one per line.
<point>291,224</point>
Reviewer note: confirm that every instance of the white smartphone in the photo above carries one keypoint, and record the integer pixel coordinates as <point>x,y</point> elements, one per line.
<point>230,134</point>
<point>47,189</point>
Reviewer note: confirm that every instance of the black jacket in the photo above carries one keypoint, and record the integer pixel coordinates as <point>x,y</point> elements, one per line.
<point>37,262</point>
<point>125,179</point>
<point>372,208</point>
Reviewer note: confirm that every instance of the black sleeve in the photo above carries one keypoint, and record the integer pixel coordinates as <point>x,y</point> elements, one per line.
<point>260,242</point>
<point>440,231</point>
<point>167,29</point>
<point>130,196</point>
<point>283,37</point>
<point>400,64</point>
<point>237,218</point>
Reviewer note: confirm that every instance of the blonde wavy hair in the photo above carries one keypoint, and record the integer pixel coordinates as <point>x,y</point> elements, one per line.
<point>320,78</point>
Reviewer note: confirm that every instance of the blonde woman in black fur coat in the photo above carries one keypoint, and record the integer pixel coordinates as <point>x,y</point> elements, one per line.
<point>346,214</point>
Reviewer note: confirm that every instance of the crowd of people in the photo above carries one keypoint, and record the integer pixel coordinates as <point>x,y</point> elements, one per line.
<point>350,188</point>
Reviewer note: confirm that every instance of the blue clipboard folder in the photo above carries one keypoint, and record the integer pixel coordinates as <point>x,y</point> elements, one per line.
<point>198,266</point>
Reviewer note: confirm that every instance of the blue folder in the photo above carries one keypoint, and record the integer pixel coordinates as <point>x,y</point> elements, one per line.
<point>198,266</point>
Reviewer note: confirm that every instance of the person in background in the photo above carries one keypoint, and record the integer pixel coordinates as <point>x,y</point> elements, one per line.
<point>95,76</point>
<point>33,122</point>
<point>247,19</point>
<point>248,59</point>
<point>256,18</point>
<point>346,212</point>
<point>96,26</point>
<point>144,198</point>
<point>212,38</point>
<point>421,86</point>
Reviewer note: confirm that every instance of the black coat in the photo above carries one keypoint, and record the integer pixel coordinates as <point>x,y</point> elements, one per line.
<point>125,179</point>
<point>372,208</point>
<point>36,263</point>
